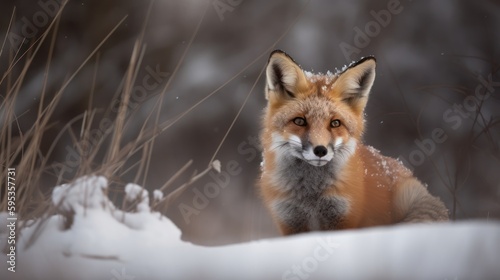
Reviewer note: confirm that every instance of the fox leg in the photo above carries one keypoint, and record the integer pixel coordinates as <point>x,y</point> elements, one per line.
<point>415,204</point>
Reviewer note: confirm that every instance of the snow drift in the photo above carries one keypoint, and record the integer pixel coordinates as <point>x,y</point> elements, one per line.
<point>90,238</point>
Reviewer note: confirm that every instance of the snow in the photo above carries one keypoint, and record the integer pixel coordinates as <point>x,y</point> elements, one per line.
<point>157,195</point>
<point>216,165</point>
<point>84,193</point>
<point>105,243</point>
<point>136,194</point>
<point>347,66</point>
<point>328,78</point>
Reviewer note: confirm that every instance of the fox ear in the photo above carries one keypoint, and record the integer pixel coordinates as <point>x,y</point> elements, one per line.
<point>283,76</point>
<point>355,82</point>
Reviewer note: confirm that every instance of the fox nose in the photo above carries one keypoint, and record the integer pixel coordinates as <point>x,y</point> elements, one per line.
<point>320,151</point>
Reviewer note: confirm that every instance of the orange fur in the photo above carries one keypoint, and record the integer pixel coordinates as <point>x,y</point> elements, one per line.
<point>317,174</point>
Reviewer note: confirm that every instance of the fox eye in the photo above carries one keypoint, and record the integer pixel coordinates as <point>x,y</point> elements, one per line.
<point>300,121</point>
<point>335,123</point>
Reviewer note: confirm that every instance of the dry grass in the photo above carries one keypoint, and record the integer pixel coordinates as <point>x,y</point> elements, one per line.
<point>24,151</point>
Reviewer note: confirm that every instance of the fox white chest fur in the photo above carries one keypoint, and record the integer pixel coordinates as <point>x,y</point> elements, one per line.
<point>317,174</point>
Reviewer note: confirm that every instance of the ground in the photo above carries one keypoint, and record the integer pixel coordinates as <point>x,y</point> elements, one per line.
<point>103,242</point>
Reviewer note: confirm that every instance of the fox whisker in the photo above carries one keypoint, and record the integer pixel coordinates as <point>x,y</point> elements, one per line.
<point>279,145</point>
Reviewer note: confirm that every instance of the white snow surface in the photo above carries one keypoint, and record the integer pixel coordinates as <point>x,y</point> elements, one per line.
<point>84,193</point>
<point>157,195</point>
<point>105,243</point>
<point>137,194</point>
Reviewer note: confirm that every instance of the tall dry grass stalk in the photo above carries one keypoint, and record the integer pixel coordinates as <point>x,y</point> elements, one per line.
<point>23,152</point>
<point>21,148</point>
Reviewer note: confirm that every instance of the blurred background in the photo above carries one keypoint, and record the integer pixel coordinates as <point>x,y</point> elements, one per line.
<point>433,57</point>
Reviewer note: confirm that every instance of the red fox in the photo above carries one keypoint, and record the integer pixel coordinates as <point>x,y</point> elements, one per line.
<point>316,173</point>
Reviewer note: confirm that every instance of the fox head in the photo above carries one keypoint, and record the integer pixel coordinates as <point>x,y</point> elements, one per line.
<point>317,118</point>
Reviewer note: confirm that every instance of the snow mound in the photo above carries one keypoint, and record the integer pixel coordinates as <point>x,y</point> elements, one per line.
<point>137,194</point>
<point>85,193</point>
<point>103,242</point>
<point>157,195</point>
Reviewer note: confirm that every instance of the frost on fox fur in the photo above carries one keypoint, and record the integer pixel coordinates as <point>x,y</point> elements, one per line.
<point>317,174</point>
